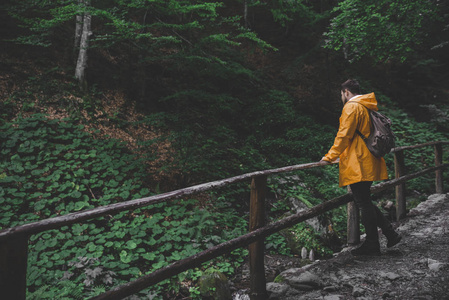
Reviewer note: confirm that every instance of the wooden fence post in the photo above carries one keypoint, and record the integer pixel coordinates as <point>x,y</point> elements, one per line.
<point>399,167</point>
<point>13,267</point>
<point>352,223</point>
<point>257,249</point>
<point>439,173</point>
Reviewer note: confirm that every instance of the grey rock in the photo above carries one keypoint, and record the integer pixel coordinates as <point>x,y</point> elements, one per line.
<point>301,287</point>
<point>389,275</point>
<point>358,292</point>
<point>303,253</point>
<point>435,267</point>
<point>292,294</point>
<point>304,281</point>
<point>292,272</point>
<point>311,255</point>
<point>277,290</point>
<point>334,297</point>
<point>330,289</point>
<point>389,294</point>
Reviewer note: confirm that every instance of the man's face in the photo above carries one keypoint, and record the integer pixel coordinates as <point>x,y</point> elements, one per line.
<point>344,96</point>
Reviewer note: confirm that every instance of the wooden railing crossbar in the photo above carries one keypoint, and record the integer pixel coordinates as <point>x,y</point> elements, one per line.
<point>402,148</point>
<point>14,241</point>
<point>76,217</point>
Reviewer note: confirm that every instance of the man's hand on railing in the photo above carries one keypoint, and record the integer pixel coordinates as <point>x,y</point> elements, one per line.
<point>324,162</point>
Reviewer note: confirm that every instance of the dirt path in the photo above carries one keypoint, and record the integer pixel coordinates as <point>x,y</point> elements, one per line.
<point>417,268</point>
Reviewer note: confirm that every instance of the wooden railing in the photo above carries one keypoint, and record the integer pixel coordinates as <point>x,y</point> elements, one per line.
<point>14,241</point>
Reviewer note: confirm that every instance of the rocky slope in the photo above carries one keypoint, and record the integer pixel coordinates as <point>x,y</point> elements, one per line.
<point>417,268</point>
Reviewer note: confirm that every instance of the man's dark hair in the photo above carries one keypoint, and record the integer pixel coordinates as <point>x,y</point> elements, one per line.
<point>351,85</point>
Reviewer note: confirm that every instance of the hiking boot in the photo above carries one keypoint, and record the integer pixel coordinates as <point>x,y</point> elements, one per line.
<point>371,248</point>
<point>393,239</point>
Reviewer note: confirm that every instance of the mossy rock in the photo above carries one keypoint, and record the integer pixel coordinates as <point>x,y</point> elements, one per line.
<point>214,285</point>
<point>279,279</point>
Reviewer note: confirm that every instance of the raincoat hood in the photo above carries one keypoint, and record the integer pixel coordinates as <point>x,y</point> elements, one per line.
<point>367,100</point>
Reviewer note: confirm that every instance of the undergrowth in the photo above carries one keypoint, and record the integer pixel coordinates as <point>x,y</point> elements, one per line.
<point>51,168</point>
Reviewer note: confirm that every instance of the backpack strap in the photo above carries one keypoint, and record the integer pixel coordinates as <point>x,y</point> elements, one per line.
<point>369,115</point>
<point>359,133</point>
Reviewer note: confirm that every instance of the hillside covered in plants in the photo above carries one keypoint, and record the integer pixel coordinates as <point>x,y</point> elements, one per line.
<point>107,101</point>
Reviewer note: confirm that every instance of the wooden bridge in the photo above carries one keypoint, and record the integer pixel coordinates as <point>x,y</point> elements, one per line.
<point>14,241</point>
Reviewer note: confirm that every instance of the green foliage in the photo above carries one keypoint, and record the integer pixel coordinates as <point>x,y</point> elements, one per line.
<point>64,290</point>
<point>438,115</point>
<point>39,93</point>
<point>309,187</point>
<point>41,17</point>
<point>285,135</point>
<point>52,168</point>
<point>277,244</point>
<point>287,12</point>
<point>149,25</point>
<point>383,30</point>
<point>6,108</point>
<point>269,131</point>
<point>60,168</point>
<point>304,236</point>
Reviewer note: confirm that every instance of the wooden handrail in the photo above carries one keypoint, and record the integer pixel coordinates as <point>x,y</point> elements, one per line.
<point>393,182</point>
<point>402,148</point>
<point>14,241</point>
<point>76,217</point>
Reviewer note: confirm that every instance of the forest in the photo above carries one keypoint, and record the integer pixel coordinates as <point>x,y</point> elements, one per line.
<point>103,102</point>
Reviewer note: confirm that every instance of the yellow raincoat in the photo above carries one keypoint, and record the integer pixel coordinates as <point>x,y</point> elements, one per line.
<point>356,161</point>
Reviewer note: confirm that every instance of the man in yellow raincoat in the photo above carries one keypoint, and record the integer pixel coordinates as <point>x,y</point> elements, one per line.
<point>358,168</point>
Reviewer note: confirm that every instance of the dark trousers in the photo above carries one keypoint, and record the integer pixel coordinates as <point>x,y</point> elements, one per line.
<point>371,216</point>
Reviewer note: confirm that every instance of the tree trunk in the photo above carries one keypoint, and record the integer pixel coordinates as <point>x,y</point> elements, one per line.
<point>245,13</point>
<point>81,64</point>
<point>78,30</point>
